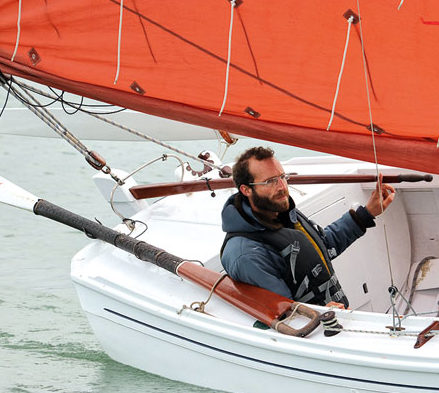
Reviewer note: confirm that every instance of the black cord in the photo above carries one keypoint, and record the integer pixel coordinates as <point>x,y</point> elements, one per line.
<point>3,78</point>
<point>78,107</point>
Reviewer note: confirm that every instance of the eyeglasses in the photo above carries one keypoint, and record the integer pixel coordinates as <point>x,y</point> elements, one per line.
<point>272,181</point>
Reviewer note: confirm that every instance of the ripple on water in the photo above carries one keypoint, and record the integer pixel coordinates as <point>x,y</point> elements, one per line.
<point>70,350</point>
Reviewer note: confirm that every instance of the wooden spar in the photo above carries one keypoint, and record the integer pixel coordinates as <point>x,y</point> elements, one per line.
<point>263,305</point>
<point>166,189</point>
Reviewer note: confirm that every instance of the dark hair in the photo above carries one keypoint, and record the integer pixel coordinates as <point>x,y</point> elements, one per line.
<point>241,174</point>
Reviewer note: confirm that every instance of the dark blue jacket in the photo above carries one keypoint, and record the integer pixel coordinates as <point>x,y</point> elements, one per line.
<point>250,261</point>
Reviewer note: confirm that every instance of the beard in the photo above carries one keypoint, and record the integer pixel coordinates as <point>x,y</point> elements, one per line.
<point>271,205</point>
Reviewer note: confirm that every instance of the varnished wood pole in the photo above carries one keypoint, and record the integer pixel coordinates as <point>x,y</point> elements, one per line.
<point>166,189</point>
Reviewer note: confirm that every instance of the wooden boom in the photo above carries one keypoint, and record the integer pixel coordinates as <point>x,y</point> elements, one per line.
<point>166,189</point>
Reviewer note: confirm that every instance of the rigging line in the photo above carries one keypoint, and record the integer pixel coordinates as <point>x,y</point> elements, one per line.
<point>157,141</point>
<point>24,86</point>
<point>400,4</point>
<point>75,105</point>
<point>368,72</point>
<point>51,121</point>
<point>18,31</point>
<point>119,38</point>
<point>242,70</point>
<point>91,157</point>
<point>60,97</point>
<point>350,20</point>
<point>374,144</point>
<point>229,54</point>
<point>369,105</point>
<point>65,103</point>
<point>45,119</point>
<point>4,82</point>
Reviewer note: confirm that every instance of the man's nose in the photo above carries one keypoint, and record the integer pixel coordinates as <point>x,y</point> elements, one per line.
<point>281,184</point>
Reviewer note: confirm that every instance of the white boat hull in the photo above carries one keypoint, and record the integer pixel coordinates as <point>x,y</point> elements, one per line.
<point>137,329</point>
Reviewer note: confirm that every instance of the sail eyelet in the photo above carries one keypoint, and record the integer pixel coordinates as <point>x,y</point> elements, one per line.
<point>252,112</point>
<point>136,87</point>
<point>34,56</point>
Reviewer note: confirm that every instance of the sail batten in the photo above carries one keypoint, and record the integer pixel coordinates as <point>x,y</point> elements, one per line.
<point>285,65</point>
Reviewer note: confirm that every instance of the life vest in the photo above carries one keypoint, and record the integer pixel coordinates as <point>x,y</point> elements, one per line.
<point>310,278</point>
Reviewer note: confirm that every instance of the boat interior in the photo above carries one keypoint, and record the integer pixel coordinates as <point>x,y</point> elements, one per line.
<point>392,268</point>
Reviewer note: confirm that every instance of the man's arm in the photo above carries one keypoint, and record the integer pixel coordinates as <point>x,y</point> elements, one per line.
<point>352,225</point>
<point>251,262</point>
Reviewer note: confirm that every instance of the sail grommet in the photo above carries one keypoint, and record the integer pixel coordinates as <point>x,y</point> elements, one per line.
<point>330,324</point>
<point>252,112</point>
<point>376,129</point>
<point>34,56</point>
<point>349,13</point>
<point>136,87</point>
<point>237,2</point>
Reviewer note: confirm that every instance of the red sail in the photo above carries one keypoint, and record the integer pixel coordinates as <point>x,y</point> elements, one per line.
<point>284,67</point>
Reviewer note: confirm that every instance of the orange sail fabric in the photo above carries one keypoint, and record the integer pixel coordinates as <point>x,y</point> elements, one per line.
<point>285,63</point>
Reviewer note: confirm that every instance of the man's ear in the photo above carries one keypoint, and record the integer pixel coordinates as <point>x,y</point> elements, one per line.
<point>245,190</point>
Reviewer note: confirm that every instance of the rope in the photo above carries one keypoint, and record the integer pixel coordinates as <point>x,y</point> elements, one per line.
<point>119,39</point>
<point>400,4</point>
<point>350,20</point>
<point>128,222</point>
<point>200,306</point>
<point>157,141</point>
<point>373,142</point>
<point>18,31</point>
<point>42,113</point>
<point>48,118</point>
<point>389,333</point>
<point>60,98</point>
<point>289,318</point>
<point>232,7</point>
<point>4,82</point>
<point>122,127</point>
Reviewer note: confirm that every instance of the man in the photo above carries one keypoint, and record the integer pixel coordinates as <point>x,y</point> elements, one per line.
<point>271,244</point>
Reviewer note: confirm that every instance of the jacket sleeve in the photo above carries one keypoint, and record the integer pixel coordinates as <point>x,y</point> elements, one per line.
<point>250,262</point>
<point>342,233</point>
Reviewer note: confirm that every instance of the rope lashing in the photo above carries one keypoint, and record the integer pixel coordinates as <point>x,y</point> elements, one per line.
<point>212,192</point>
<point>289,318</point>
<point>200,306</point>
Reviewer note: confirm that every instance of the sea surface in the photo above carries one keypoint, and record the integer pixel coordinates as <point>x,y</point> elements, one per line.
<point>46,344</point>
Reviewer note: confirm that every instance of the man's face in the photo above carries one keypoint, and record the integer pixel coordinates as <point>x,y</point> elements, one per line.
<point>272,197</point>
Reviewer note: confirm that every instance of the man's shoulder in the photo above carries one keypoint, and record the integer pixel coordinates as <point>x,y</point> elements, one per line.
<point>239,247</point>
